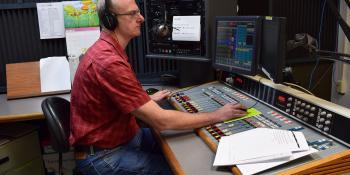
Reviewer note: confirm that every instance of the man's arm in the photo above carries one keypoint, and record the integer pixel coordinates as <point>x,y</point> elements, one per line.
<point>161,119</point>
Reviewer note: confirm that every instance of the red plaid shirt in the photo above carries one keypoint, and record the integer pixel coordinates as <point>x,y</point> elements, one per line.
<point>105,91</point>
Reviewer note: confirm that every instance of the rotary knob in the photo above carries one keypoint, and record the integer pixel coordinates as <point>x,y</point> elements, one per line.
<point>329,116</point>
<point>313,109</point>
<point>327,122</point>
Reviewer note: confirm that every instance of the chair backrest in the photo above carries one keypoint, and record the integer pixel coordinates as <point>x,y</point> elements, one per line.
<point>57,115</point>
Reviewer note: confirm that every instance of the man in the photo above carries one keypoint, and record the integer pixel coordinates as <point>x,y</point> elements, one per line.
<point>106,98</point>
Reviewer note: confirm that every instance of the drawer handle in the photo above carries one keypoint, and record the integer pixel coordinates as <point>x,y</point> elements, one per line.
<point>4,160</point>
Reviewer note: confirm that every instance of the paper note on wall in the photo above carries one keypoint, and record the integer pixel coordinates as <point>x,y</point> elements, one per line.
<point>50,17</point>
<point>78,40</point>
<point>186,28</point>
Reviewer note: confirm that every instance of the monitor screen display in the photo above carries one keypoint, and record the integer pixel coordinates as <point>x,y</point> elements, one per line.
<point>237,44</point>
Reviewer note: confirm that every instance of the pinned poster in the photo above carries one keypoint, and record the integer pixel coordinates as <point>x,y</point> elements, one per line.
<point>80,14</point>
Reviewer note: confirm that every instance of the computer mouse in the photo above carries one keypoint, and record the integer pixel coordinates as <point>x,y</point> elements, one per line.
<point>151,91</point>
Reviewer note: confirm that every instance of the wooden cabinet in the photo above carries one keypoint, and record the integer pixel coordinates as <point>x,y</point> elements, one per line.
<point>20,152</point>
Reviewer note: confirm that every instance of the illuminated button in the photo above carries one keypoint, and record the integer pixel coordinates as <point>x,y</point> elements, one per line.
<point>281,99</point>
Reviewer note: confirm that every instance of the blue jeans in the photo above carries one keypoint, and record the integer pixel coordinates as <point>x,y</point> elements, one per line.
<point>141,156</point>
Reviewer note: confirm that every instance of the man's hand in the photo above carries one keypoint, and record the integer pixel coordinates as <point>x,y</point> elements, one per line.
<point>160,95</point>
<point>231,110</point>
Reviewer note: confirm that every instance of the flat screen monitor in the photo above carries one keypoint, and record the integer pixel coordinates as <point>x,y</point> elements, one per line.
<point>237,44</point>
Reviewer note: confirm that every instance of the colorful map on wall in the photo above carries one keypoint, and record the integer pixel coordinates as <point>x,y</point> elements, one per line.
<point>80,14</point>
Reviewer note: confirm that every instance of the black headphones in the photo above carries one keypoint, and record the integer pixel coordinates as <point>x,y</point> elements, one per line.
<point>109,19</point>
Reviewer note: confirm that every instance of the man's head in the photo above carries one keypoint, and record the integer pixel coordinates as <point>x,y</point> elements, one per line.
<point>121,16</point>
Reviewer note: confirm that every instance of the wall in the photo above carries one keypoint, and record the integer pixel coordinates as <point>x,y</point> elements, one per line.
<point>342,70</point>
<point>20,42</point>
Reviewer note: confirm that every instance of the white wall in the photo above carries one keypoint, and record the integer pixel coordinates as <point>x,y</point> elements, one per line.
<point>342,70</point>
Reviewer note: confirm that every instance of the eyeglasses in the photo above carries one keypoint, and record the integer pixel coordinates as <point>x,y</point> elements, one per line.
<point>132,13</point>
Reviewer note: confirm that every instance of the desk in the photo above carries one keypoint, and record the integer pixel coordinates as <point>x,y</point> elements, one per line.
<point>186,150</point>
<point>22,109</point>
<point>188,154</point>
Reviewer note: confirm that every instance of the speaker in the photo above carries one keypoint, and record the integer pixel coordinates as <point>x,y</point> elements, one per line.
<point>109,19</point>
<point>273,47</point>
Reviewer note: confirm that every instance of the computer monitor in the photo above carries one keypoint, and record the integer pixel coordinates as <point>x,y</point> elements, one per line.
<point>237,44</point>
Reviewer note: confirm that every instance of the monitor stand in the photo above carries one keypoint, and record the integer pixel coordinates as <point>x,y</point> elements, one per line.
<point>194,73</point>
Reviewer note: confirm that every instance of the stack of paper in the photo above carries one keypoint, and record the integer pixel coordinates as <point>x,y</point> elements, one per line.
<point>261,148</point>
<point>54,74</point>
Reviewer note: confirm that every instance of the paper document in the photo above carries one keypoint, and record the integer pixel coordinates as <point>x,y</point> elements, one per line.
<point>51,22</point>
<point>252,168</point>
<point>258,145</point>
<point>186,28</point>
<point>54,74</point>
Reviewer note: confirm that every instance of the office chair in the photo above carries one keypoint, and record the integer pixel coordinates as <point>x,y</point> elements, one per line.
<point>57,114</point>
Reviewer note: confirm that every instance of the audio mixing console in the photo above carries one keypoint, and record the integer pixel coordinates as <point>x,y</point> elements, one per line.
<point>275,106</point>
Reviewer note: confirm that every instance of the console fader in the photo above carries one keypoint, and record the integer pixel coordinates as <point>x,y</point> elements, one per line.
<point>282,113</point>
